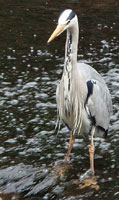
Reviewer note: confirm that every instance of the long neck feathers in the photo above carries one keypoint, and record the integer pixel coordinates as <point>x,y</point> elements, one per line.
<point>70,59</point>
<point>71,46</point>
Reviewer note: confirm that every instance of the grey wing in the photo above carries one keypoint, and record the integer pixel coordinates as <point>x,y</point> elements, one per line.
<point>99,103</point>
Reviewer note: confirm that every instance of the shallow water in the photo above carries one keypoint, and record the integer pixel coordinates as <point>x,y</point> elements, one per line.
<point>31,155</point>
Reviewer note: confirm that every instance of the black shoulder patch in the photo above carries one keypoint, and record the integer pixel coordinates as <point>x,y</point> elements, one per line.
<point>90,87</point>
<point>90,90</point>
<point>71,16</point>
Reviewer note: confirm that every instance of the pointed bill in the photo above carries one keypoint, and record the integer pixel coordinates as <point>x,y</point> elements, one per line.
<point>57,31</point>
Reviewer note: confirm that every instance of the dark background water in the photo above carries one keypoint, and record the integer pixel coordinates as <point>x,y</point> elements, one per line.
<point>29,72</point>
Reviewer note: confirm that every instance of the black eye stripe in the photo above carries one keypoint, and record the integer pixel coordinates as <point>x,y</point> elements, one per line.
<point>71,16</point>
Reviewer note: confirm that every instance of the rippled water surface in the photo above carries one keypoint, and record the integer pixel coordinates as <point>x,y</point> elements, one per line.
<point>31,155</point>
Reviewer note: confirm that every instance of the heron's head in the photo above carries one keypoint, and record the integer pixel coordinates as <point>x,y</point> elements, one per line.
<point>66,20</point>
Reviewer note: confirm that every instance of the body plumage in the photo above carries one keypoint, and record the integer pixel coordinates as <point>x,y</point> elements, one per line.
<point>83,99</point>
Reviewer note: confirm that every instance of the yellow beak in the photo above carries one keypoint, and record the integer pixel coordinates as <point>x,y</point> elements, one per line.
<point>57,31</point>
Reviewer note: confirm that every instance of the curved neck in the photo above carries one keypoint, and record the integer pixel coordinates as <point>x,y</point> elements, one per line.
<point>71,45</point>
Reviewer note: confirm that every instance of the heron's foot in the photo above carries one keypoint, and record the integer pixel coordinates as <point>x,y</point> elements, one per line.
<point>88,180</point>
<point>67,158</point>
<point>58,163</point>
<point>60,168</point>
<point>86,175</point>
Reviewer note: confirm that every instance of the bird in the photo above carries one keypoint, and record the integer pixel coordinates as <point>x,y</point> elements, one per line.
<point>83,99</point>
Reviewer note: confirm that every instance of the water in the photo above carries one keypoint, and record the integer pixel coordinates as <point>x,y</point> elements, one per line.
<point>31,155</point>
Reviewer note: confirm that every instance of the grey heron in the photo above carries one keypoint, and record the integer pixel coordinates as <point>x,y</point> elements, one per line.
<point>83,99</point>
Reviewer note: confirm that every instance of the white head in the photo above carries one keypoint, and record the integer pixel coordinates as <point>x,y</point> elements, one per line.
<point>66,17</point>
<point>66,20</point>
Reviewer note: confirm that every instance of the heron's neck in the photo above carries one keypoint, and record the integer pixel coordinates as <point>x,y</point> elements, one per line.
<point>71,47</point>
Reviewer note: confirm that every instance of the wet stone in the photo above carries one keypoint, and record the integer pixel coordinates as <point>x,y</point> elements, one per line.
<point>11,141</point>
<point>30,85</point>
<point>14,102</point>
<point>2,150</point>
<point>58,190</point>
<point>60,155</point>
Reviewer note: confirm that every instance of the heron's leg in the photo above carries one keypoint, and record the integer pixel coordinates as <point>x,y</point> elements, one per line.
<point>71,142</point>
<point>91,151</point>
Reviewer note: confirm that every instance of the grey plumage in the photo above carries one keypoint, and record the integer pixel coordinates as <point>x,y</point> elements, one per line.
<point>83,99</point>
<point>72,92</point>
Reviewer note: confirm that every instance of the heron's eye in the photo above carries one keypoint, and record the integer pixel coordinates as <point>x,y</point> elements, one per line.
<point>68,22</point>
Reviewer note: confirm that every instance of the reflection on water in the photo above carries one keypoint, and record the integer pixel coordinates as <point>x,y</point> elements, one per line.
<point>29,72</point>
